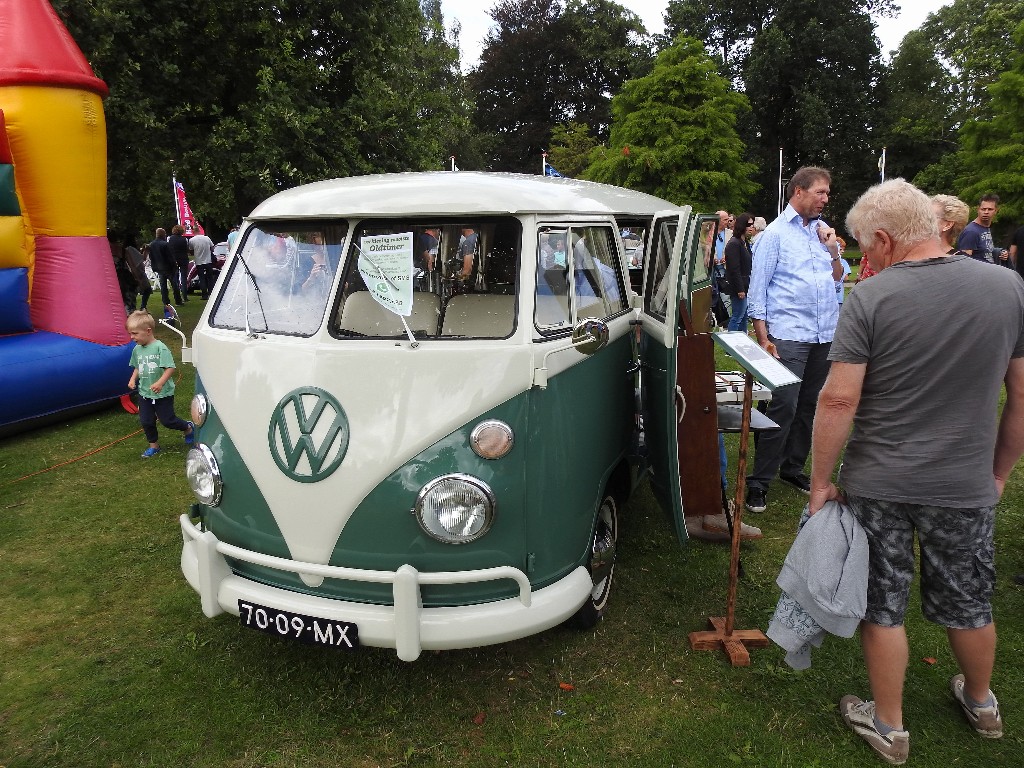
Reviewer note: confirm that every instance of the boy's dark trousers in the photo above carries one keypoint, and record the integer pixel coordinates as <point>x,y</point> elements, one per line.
<point>163,408</point>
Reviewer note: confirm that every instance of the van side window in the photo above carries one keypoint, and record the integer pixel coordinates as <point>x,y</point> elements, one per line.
<point>703,263</point>
<point>281,279</point>
<point>656,295</point>
<point>578,276</point>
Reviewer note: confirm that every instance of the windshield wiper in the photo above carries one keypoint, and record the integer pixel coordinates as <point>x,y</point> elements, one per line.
<point>259,300</point>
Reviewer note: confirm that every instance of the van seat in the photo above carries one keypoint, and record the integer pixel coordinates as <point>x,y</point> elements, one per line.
<point>362,314</point>
<point>479,315</point>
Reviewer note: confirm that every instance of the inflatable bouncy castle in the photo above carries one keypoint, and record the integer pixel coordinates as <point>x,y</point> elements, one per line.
<point>63,347</point>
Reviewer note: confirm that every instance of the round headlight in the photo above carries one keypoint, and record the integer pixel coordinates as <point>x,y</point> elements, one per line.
<point>455,509</point>
<point>204,475</point>
<point>491,439</point>
<point>200,409</point>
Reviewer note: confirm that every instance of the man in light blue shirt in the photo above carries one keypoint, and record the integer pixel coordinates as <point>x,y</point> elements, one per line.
<point>792,303</point>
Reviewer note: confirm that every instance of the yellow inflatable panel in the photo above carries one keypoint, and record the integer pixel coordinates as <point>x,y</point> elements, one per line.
<point>61,136</point>
<point>14,246</point>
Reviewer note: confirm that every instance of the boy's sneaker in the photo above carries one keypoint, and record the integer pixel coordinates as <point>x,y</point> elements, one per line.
<point>893,747</point>
<point>985,720</point>
<point>190,436</point>
<point>149,453</point>
<point>757,500</point>
<point>799,481</point>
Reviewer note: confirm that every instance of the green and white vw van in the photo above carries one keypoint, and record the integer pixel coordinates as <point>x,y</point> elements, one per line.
<point>419,406</point>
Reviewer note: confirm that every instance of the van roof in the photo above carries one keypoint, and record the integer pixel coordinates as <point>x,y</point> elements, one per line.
<point>444,193</point>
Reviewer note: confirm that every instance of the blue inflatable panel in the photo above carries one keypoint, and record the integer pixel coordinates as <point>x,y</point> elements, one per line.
<point>44,373</point>
<point>14,314</point>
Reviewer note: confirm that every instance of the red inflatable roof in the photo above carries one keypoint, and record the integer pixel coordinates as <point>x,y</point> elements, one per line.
<point>37,49</point>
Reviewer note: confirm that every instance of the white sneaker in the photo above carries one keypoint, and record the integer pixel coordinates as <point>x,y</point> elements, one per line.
<point>985,720</point>
<point>893,747</point>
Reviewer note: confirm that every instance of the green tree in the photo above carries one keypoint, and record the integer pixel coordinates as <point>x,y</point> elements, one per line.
<point>993,150</point>
<point>572,147</point>
<point>918,125</point>
<point>544,65</point>
<point>945,176</point>
<point>674,134</point>
<point>815,66</point>
<point>974,39</point>
<point>726,29</point>
<point>604,45</point>
<point>247,99</point>
<point>512,84</point>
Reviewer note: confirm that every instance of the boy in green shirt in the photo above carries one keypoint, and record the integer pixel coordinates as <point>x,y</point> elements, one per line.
<point>153,366</point>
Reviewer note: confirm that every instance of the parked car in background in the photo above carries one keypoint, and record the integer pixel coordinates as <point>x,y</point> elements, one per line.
<point>220,254</point>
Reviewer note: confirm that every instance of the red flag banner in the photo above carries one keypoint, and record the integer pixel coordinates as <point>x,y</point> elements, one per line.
<point>184,211</point>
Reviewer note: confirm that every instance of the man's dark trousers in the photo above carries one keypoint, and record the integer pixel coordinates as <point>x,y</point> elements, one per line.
<point>784,450</point>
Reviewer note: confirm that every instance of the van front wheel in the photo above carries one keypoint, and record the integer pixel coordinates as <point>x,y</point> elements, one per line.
<point>601,564</point>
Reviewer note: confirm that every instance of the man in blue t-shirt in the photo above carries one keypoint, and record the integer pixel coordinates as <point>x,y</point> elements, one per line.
<point>976,239</point>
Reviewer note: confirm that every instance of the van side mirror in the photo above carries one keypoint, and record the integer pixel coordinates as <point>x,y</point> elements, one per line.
<point>590,335</point>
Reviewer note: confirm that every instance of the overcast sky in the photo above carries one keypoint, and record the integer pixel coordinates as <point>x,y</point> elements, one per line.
<point>472,14</point>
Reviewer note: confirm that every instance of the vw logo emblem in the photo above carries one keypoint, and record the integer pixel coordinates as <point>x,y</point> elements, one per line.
<point>308,434</point>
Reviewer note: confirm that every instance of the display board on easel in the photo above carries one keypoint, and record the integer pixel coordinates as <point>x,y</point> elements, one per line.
<point>772,374</point>
<point>766,369</point>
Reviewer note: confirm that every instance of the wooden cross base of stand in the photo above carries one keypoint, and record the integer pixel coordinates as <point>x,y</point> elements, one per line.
<point>734,643</point>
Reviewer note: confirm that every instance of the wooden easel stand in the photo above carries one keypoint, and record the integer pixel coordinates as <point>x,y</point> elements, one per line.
<point>723,634</point>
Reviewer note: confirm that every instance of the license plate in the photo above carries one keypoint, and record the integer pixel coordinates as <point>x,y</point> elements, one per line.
<point>296,626</point>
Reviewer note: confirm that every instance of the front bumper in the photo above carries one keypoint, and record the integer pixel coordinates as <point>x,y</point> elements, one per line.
<point>406,626</point>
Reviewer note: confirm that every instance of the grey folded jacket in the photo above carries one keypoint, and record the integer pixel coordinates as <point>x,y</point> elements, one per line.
<point>824,583</point>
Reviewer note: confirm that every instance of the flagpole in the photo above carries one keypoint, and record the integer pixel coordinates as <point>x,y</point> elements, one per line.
<point>881,166</point>
<point>174,194</point>
<point>780,183</point>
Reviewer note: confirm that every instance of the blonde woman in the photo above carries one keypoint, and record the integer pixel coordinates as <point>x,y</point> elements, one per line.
<point>952,214</point>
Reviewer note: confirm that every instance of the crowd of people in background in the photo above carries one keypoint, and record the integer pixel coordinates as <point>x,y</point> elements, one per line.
<point>737,235</point>
<point>165,264</point>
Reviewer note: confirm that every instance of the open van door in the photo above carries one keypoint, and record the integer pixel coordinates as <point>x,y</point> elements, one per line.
<point>664,276</point>
<point>677,291</point>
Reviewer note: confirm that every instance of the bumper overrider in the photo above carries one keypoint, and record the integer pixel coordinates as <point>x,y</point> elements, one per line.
<point>406,626</point>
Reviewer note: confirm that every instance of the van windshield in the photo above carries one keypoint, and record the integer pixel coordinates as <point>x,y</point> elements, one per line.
<point>281,279</point>
<point>449,279</point>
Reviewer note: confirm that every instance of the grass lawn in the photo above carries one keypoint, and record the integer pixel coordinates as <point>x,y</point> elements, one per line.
<point>107,660</point>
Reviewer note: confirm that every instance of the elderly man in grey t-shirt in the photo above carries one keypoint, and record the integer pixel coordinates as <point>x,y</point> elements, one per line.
<point>927,454</point>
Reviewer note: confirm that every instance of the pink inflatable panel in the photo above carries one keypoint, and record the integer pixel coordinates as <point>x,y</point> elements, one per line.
<point>75,291</point>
